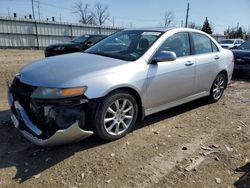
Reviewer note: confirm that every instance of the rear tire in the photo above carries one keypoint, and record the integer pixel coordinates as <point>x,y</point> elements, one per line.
<point>218,87</point>
<point>115,116</point>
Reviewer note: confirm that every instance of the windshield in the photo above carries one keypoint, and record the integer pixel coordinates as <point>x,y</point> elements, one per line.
<point>80,39</point>
<point>226,41</point>
<point>125,45</point>
<point>245,46</point>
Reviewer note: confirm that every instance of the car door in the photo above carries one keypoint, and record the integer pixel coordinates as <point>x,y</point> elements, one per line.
<point>206,56</point>
<point>173,80</point>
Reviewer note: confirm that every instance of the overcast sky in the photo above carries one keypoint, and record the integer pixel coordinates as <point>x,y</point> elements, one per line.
<point>143,13</point>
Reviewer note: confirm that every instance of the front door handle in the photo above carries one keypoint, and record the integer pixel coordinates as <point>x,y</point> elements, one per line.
<point>189,63</point>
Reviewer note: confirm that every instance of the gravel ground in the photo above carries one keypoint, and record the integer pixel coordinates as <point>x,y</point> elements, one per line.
<point>194,145</point>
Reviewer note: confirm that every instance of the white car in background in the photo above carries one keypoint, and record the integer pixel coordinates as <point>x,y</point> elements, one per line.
<point>230,43</point>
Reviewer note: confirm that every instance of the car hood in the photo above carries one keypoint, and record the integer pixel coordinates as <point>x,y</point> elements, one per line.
<point>241,54</point>
<point>64,70</point>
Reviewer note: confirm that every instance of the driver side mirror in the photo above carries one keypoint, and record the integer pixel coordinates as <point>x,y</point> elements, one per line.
<point>163,56</point>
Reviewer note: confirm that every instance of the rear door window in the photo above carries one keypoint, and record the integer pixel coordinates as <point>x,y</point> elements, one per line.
<point>202,44</point>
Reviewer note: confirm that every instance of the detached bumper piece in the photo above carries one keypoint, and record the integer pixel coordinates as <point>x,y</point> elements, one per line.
<point>47,122</point>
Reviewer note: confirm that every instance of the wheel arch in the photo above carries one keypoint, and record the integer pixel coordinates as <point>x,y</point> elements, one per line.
<point>136,95</point>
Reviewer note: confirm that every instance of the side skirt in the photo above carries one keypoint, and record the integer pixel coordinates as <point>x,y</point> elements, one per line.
<point>175,103</point>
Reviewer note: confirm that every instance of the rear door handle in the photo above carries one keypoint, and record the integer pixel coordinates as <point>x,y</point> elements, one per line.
<point>189,63</point>
<point>216,57</point>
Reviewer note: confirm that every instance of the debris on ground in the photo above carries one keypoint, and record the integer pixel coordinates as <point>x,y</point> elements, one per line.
<point>156,132</point>
<point>195,164</point>
<point>108,181</point>
<point>242,123</point>
<point>37,176</point>
<point>228,148</point>
<point>218,180</point>
<point>184,148</point>
<point>206,148</point>
<point>83,175</point>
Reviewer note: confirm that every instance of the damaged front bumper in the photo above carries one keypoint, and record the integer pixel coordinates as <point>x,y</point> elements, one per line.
<point>59,125</point>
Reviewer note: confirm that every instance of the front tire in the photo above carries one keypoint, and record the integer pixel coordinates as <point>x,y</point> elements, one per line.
<point>115,116</point>
<point>218,87</point>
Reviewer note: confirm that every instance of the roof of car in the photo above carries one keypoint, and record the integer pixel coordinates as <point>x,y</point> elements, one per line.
<point>161,29</point>
<point>233,39</point>
<point>94,35</point>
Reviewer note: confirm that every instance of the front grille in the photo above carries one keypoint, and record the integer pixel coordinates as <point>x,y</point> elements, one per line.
<point>22,93</point>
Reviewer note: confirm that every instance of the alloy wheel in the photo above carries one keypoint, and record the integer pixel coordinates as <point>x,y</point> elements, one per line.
<point>218,87</point>
<point>118,116</point>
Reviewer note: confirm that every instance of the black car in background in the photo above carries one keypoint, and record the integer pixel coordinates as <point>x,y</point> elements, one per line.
<point>78,44</point>
<point>242,59</point>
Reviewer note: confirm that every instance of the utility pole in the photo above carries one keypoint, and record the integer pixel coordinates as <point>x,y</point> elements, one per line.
<point>181,23</point>
<point>186,24</point>
<point>33,12</point>
<point>9,12</point>
<point>38,7</point>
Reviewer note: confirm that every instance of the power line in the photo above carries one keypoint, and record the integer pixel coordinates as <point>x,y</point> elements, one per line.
<point>51,5</point>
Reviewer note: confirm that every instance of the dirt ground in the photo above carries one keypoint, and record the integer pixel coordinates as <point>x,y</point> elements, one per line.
<point>194,145</point>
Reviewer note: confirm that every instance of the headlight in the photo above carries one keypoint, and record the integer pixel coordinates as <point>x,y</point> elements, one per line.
<point>55,93</point>
<point>59,48</point>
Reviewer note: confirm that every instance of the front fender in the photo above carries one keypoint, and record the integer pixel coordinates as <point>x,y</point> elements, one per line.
<point>131,76</point>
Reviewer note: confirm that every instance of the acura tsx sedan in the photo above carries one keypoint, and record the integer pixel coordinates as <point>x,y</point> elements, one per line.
<point>123,78</point>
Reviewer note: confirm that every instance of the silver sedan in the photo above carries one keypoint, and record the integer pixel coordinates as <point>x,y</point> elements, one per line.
<point>123,78</point>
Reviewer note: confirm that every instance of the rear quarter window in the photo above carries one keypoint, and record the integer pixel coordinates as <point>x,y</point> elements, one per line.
<point>214,47</point>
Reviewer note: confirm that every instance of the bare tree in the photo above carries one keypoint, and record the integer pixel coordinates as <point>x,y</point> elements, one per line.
<point>194,26</point>
<point>191,25</point>
<point>168,18</point>
<point>101,13</point>
<point>86,15</point>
